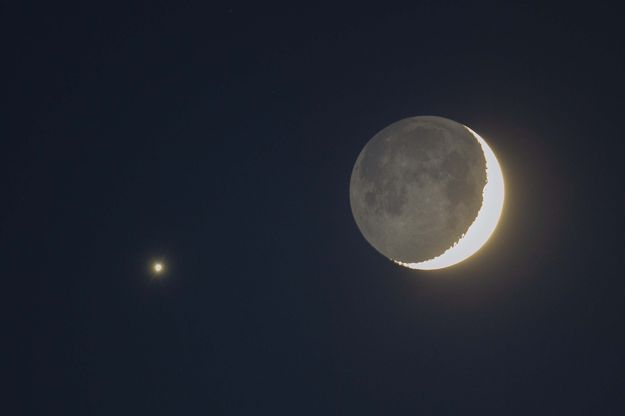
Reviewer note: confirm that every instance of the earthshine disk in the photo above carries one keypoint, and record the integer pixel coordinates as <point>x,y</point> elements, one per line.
<point>427,192</point>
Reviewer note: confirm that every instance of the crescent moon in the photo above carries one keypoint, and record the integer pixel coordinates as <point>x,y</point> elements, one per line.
<point>484,224</point>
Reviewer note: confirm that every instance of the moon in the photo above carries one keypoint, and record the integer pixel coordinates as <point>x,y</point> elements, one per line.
<point>426,192</point>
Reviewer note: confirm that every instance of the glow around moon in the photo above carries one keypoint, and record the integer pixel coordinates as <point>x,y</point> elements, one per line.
<point>485,223</point>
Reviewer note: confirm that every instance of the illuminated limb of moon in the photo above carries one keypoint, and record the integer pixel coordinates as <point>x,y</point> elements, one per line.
<point>484,225</point>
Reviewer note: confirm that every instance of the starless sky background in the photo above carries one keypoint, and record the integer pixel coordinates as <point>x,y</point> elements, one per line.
<point>221,139</point>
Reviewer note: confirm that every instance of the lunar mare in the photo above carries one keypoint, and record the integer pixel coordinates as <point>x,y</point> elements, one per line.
<point>484,225</point>
<point>426,192</point>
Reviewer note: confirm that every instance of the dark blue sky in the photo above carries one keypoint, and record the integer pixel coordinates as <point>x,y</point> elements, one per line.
<point>221,139</point>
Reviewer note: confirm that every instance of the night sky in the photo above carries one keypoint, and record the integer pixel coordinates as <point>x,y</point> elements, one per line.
<point>221,139</point>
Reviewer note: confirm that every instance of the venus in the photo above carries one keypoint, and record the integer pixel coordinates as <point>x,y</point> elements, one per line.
<point>427,192</point>
<point>158,268</point>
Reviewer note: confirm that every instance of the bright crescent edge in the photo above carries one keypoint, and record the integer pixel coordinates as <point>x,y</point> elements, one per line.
<point>484,224</point>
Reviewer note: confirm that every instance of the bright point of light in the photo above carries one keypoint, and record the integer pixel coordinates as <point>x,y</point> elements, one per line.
<point>157,267</point>
<point>484,224</point>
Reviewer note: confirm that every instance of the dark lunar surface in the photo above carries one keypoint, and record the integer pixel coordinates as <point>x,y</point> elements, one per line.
<point>417,186</point>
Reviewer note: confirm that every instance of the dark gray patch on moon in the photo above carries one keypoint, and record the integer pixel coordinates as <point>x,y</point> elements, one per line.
<point>417,186</point>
